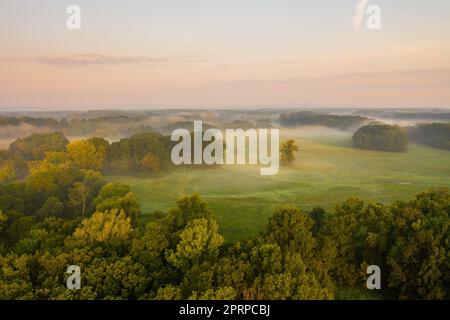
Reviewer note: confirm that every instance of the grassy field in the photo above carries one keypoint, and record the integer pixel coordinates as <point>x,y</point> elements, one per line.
<point>327,171</point>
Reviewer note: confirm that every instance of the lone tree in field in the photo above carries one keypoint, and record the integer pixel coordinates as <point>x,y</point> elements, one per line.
<point>287,151</point>
<point>382,137</point>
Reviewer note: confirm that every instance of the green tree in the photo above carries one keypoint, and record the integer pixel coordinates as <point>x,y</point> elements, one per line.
<point>110,229</point>
<point>35,146</point>
<point>381,137</point>
<point>418,261</point>
<point>118,196</point>
<point>51,208</point>
<point>85,156</point>
<point>7,171</point>
<point>291,229</point>
<point>82,193</point>
<point>199,241</point>
<point>51,176</point>
<point>188,209</point>
<point>287,152</point>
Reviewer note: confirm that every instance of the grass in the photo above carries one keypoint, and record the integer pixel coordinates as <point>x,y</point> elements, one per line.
<point>327,171</point>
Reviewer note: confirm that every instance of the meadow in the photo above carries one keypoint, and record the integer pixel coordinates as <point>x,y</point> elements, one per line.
<point>327,171</point>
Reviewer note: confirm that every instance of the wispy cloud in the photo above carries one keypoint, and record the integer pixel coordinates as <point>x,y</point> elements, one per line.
<point>359,13</point>
<point>95,59</point>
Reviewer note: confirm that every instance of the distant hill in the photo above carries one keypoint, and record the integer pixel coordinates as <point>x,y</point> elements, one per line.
<point>308,118</point>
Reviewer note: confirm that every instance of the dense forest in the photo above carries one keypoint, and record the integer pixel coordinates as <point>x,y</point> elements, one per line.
<point>146,152</point>
<point>308,118</point>
<point>63,213</point>
<point>436,135</point>
<point>382,137</point>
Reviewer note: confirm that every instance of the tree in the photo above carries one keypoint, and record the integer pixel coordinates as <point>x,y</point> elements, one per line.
<point>418,261</point>
<point>291,229</point>
<point>169,292</point>
<point>83,192</point>
<point>114,278</point>
<point>381,137</point>
<point>128,154</point>
<point>221,293</point>
<point>3,220</point>
<point>199,241</point>
<point>188,209</point>
<point>287,151</point>
<point>7,171</point>
<point>100,144</point>
<point>51,176</point>
<point>110,228</point>
<point>118,196</point>
<point>48,235</point>
<point>51,208</point>
<point>19,227</point>
<point>151,162</point>
<point>85,156</point>
<point>435,134</point>
<point>14,278</point>
<point>339,227</point>
<point>35,146</point>
<point>149,251</point>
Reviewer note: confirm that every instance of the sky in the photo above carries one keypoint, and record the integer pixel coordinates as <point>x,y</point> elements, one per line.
<point>224,54</point>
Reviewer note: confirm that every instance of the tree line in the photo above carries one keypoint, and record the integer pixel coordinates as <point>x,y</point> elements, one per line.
<point>381,137</point>
<point>308,118</point>
<point>146,152</point>
<point>436,135</point>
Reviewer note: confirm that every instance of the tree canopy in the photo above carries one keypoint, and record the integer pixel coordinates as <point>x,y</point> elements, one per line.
<point>381,137</point>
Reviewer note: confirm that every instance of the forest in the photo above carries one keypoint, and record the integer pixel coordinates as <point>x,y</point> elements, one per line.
<point>308,118</point>
<point>435,134</point>
<point>63,212</point>
<point>96,203</point>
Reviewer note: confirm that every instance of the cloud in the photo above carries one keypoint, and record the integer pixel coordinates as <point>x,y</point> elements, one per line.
<point>99,60</point>
<point>359,13</point>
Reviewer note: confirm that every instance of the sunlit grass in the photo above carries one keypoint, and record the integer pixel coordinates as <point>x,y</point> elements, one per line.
<point>327,171</point>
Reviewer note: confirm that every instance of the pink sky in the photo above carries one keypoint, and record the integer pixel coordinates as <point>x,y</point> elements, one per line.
<point>216,58</point>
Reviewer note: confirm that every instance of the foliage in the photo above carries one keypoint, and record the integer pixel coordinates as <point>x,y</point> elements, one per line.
<point>109,228</point>
<point>140,152</point>
<point>35,146</point>
<point>299,255</point>
<point>381,137</point>
<point>436,135</point>
<point>287,152</point>
<point>118,196</point>
<point>199,241</point>
<point>307,118</point>
<point>7,171</point>
<point>85,156</point>
<point>151,162</point>
<point>63,213</point>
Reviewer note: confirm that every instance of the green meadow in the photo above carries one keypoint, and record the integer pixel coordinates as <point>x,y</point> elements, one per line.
<point>327,171</point>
